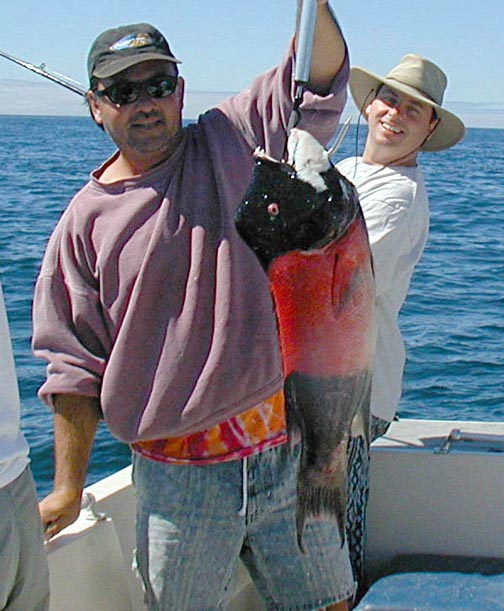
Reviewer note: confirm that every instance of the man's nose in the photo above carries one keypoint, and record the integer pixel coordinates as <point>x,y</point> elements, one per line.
<point>396,109</point>
<point>144,98</point>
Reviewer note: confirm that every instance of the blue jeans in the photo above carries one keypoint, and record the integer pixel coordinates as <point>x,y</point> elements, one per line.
<point>193,525</point>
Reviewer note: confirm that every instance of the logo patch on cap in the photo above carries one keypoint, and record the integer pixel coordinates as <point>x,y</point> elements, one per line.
<point>133,41</point>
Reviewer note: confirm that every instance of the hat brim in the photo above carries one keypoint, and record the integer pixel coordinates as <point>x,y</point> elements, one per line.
<point>123,63</point>
<point>364,86</point>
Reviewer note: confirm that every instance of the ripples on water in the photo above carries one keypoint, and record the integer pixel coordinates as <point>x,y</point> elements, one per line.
<point>452,321</point>
<point>453,318</point>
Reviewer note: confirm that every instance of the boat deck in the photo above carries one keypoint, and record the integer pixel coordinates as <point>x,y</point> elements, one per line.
<point>432,495</point>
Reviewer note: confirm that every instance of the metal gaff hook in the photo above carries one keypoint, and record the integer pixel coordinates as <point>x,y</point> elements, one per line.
<point>306,34</point>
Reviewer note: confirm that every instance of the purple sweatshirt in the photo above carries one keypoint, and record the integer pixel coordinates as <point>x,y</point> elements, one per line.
<point>147,297</point>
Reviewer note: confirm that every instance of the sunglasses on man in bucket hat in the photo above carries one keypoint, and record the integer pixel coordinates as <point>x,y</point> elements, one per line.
<point>421,80</point>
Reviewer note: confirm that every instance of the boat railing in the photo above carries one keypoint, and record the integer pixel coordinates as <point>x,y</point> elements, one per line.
<point>485,442</point>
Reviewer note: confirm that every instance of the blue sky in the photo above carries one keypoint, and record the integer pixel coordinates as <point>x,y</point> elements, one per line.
<point>224,44</point>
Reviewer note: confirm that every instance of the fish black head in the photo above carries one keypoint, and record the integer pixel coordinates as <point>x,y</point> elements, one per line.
<point>301,204</point>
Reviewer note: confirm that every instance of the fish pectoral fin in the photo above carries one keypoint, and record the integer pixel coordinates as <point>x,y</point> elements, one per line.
<point>358,427</point>
<point>361,422</point>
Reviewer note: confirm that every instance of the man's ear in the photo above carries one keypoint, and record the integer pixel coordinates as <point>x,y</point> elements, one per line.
<point>432,127</point>
<point>94,108</point>
<point>180,91</point>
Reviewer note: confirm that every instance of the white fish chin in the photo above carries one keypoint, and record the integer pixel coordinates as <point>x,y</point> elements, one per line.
<point>308,157</point>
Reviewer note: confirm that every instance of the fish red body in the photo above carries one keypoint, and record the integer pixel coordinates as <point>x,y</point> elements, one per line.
<point>324,303</point>
<point>304,223</point>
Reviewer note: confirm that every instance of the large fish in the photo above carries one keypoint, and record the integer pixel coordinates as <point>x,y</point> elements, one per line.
<point>303,221</point>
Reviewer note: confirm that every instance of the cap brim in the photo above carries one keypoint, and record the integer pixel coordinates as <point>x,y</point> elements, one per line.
<point>123,63</point>
<point>365,84</point>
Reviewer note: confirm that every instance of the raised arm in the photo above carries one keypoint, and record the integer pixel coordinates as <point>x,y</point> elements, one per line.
<point>329,48</point>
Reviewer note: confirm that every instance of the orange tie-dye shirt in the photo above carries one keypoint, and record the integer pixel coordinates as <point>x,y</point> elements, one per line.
<point>257,429</point>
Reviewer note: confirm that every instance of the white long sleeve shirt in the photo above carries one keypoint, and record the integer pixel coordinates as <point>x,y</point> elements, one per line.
<point>395,205</point>
<point>13,445</point>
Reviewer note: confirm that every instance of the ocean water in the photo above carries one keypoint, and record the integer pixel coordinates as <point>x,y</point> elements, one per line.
<point>453,320</point>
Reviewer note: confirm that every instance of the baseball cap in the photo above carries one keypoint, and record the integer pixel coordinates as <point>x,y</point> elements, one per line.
<point>124,46</point>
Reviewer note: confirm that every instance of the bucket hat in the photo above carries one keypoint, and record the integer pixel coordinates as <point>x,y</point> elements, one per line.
<point>125,46</point>
<point>420,79</point>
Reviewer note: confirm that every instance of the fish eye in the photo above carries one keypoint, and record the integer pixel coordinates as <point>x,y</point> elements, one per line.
<point>273,209</point>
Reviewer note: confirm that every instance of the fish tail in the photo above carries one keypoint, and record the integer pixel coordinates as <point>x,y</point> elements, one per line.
<point>322,492</point>
<point>320,502</point>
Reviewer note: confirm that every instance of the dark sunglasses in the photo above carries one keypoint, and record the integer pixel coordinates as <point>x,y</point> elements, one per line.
<point>126,92</point>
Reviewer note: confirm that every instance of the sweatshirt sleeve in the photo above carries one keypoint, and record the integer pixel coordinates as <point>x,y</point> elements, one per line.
<point>69,329</point>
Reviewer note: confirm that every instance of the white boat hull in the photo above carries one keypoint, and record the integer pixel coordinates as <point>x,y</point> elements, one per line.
<point>422,501</point>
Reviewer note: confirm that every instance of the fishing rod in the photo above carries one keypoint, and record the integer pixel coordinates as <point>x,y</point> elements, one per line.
<point>339,138</point>
<point>60,79</point>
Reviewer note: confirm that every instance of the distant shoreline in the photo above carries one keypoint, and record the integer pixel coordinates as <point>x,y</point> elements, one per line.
<point>186,121</point>
<point>20,97</point>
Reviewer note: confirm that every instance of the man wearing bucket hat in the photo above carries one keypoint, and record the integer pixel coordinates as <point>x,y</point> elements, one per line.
<point>153,314</point>
<point>404,115</point>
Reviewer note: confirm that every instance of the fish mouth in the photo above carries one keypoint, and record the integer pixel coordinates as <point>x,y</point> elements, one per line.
<point>308,171</point>
<point>260,155</point>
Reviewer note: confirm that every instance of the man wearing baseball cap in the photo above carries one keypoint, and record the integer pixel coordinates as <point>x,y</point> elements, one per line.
<point>120,48</point>
<point>153,314</point>
<point>405,116</point>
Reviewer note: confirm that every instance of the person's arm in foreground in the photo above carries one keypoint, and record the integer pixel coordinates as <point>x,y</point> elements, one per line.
<point>329,49</point>
<point>75,423</point>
